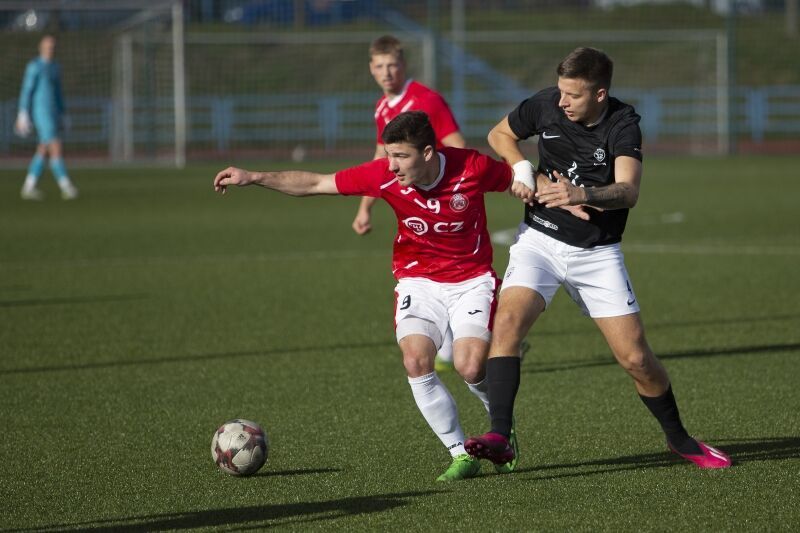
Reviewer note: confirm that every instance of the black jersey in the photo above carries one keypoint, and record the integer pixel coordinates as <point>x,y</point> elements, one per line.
<point>584,155</point>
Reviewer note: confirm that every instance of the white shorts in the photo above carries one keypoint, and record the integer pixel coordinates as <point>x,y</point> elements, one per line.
<point>466,307</point>
<point>595,278</point>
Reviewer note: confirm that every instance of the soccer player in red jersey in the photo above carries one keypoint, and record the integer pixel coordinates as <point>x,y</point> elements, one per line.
<point>387,64</point>
<point>442,258</point>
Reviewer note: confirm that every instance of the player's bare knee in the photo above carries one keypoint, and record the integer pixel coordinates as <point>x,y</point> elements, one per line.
<point>636,361</point>
<point>470,351</point>
<point>473,370</point>
<point>417,339</point>
<point>417,363</point>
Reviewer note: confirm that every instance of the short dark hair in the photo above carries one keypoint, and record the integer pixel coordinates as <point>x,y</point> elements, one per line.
<point>412,127</point>
<point>387,44</point>
<point>588,64</point>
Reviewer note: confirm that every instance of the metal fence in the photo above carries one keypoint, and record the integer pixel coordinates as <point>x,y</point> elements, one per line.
<point>329,122</point>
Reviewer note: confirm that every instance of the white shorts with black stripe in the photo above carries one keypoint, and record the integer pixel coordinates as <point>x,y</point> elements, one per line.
<point>595,278</point>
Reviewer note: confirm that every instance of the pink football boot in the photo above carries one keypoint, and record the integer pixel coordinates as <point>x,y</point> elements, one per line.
<point>710,458</point>
<point>492,446</point>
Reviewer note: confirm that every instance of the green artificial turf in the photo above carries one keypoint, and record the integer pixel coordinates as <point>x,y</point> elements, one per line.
<point>140,317</point>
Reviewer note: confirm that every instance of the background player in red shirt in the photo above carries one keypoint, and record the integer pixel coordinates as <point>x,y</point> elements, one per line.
<point>442,258</point>
<point>387,64</point>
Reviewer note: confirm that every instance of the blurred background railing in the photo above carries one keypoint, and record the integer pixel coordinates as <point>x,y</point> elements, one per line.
<point>163,81</point>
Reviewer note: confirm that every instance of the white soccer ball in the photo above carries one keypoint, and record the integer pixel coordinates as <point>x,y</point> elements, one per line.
<point>239,447</point>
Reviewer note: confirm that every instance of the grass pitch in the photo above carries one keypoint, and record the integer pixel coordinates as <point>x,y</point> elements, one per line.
<point>140,317</point>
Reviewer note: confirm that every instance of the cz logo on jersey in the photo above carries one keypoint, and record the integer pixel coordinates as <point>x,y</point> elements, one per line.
<point>420,227</point>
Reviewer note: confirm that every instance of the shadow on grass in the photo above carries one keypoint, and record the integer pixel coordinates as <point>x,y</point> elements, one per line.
<point>721,320</point>
<point>740,450</point>
<point>669,324</point>
<point>297,472</point>
<point>193,358</point>
<point>34,302</point>
<point>246,517</point>
<point>535,368</point>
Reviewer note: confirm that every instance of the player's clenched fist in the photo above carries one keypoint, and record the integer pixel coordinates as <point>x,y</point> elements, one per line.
<point>521,191</point>
<point>524,185</point>
<point>232,176</point>
<point>362,223</point>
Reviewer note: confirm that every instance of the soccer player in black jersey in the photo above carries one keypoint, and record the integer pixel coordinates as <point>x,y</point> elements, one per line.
<point>577,202</point>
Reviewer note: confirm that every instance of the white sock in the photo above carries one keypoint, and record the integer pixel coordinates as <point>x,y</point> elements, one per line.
<point>481,390</point>
<point>30,182</point>
<point>439,409</point>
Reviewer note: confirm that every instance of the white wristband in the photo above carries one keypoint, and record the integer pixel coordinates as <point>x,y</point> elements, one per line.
<point>523,173</point>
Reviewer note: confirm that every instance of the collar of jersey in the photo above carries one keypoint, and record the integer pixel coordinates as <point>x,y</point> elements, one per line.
<point>599,120</point>
<point>396,100</point>
<point>438,178</point>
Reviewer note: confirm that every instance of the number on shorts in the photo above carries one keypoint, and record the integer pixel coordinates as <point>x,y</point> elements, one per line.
<point>406,303</point>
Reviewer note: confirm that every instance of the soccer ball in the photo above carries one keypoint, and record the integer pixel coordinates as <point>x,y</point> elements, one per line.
<point>239,447</point>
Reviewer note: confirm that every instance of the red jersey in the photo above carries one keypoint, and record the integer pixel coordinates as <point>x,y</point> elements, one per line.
<point>417,97</point>
<point>441,228</point>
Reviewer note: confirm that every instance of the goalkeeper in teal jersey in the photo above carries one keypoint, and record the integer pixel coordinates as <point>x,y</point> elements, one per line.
<point>41,106</point>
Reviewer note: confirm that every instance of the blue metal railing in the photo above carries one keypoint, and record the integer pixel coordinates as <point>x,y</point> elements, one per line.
<point>339,120</point>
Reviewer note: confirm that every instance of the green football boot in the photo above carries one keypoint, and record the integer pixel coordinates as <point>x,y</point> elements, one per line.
<point>463,466</point>
<point>442,365</point>
<point>507,468</point>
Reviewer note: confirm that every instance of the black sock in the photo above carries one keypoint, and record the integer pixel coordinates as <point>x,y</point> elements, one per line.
<point>502,375</point>
<point>665,410</point>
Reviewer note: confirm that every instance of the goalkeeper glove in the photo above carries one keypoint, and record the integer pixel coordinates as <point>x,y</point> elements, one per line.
<point>23,126</point>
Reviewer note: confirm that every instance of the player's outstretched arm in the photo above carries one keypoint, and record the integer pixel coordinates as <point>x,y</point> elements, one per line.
<point>291,182</point>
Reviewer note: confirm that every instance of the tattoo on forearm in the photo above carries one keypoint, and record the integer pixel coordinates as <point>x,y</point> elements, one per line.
<point>609,197</point>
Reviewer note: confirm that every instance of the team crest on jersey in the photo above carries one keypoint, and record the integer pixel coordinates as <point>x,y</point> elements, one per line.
<point>458,202</point>
<point>599,154</point>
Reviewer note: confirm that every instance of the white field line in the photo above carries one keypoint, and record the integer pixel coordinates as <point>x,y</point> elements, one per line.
<point>664,218</point>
